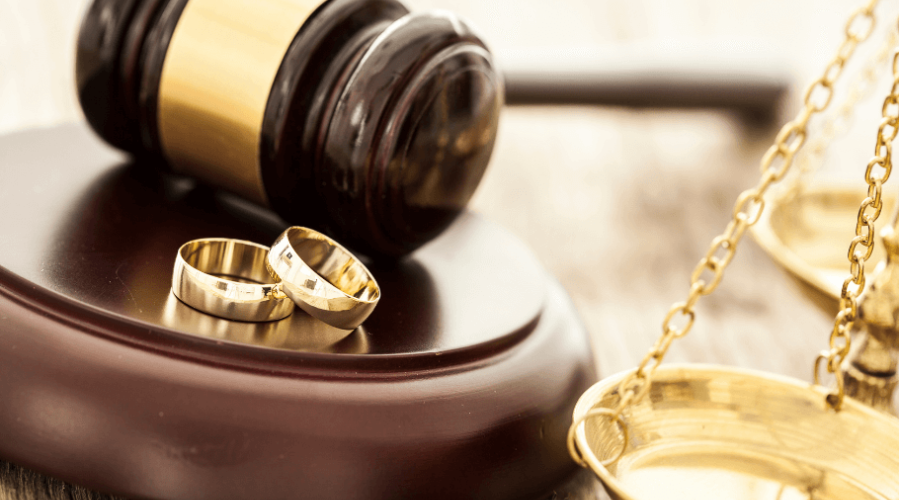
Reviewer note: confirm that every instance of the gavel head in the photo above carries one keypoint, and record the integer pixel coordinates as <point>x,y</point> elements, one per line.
<point>354,117</point>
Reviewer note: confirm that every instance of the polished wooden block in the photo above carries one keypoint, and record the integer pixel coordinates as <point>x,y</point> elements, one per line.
<point>460,385</point>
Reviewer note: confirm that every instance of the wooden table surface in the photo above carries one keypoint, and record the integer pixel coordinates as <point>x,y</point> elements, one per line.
<point>618,204</point>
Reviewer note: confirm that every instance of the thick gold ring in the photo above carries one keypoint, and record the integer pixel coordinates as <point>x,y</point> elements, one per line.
<point>229,278</point>
<point>323,278</point>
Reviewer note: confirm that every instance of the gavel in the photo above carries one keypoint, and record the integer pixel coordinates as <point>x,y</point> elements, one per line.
<point>355,117</point>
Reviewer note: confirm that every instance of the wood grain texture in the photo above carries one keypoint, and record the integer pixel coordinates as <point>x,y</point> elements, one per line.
<point>619,205</point>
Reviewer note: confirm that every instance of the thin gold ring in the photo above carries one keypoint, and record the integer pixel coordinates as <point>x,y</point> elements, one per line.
<point>228,278</point>
<point>323,278</point>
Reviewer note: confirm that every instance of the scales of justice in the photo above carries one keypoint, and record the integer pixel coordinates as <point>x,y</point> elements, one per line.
<point>717,432</point>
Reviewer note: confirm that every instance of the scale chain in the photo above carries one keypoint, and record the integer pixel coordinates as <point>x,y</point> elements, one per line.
<point>747,210</point>
<point>835,125</point>
<point>839,341</point>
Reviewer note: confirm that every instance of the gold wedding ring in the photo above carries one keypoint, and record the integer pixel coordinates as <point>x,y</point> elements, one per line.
<point>229,278</point>
<point>323,278</point>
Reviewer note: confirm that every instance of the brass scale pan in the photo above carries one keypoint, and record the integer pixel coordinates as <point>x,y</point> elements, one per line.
<point>804,229</point>
<point>715,432</point>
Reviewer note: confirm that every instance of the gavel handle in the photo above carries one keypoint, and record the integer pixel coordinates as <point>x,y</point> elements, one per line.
<point>748,79</point>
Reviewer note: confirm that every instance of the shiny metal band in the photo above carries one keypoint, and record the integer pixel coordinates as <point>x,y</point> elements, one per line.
<point>216,79</point>
<point>229,279</point>
<point>323,278</point>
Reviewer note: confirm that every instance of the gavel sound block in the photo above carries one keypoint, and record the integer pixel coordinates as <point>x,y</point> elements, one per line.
<point>460,385</point>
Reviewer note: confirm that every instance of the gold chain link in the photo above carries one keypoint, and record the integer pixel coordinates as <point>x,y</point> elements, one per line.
<point>869,210</point>
<point>749,206</point>
<point>838,123</point>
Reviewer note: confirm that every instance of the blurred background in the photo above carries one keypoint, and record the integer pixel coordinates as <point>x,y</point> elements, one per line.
<point>618,203</point>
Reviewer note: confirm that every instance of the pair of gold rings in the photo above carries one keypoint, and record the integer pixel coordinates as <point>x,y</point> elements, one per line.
<point>244,281</point>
